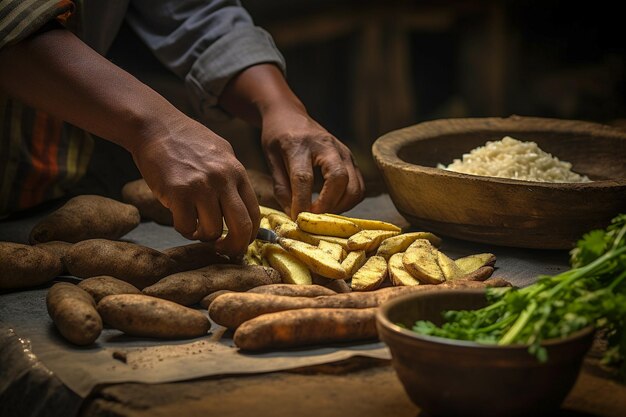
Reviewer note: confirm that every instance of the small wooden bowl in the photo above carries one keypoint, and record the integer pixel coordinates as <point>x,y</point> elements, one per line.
<point>446,377</point>
<point>503,211</point>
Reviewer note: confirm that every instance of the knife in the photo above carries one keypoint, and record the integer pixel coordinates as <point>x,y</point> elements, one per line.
<point>267,235</point>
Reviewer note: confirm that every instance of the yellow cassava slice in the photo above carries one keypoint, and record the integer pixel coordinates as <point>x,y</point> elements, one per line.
<point>368,240</point>
<point>315,258</point>
<point>370,275</point>
<point>292,271</point>
<point>322,224</point>
<point>400,243</point>
<point>367,224</point>
<point>397,272</point>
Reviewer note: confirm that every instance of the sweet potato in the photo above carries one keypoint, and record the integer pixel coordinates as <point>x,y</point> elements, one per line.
<point>141,196</point>
<point>100,287</point>
<point>309,326</point>
<point>139,265</point>
<point>145,316</point>
<point>231,310</point>
<point>74,314</point>
<point>24,266</point>
<point>291,290</point>
<point>190,287</point>
<point>195,255</point>
<point>86,217</point>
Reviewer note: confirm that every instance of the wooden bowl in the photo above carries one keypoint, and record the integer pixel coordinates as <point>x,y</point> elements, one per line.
<point>461,378</point>
<point>503,211</point>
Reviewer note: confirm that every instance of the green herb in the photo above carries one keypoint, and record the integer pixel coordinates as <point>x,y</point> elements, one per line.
<point>593,292</point>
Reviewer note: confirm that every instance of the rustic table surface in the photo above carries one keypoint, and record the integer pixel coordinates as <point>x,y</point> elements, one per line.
<point>354,387</point>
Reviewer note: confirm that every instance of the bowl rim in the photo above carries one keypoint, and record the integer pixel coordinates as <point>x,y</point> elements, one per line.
<point>383,320</point>
<point>385,148</point>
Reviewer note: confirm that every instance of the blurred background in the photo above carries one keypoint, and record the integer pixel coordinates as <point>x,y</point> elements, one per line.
<point>364,68</point>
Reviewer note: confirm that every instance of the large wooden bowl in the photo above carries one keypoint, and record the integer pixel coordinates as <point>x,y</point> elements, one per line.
<point>505,211</point>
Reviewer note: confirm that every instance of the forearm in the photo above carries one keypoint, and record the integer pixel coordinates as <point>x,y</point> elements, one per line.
<point>257,91</point>
<point>57,73</point>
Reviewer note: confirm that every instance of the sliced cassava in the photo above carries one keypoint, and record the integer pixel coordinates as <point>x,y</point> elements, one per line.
<point>323,224</point>
<point>472,262</point>
<point>400,243</point>
<point>353,261</point>
<point>292,270</point>
<point>420,260</point>
<point>369,240</point>
<point>398,273</point>
<point>368,224</point>
<point>316,259</point>
<point>370,275</point>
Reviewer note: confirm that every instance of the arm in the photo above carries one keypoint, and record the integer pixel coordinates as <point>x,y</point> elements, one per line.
<point>293,143</point>
<point>192,170</point>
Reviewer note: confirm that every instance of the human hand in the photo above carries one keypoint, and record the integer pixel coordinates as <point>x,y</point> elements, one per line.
<point>294,144</point>
<point>195,174</point>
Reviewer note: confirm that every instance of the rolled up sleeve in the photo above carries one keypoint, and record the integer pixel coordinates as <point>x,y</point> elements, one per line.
<point>204,42</point>
<point>21,18</point>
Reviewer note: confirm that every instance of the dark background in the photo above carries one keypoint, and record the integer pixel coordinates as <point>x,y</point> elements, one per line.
<point>366,67</point>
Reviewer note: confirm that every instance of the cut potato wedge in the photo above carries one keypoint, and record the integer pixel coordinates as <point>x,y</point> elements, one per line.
<point>367,224</point>
<point>397,272</point>
<point>333,249</point>
<point>316,259</point>
<point>400,243</point>
<point>369,240</point>
<point>291,269</point>
<point>341,241</point>
<point>265,224</point>
<point>420,260</point>
<point>326,225</point>
<point>370,275</point>
<point>292,231</point>
<point>353,261</point>
<point>471,263</point>
<point>448,267</point>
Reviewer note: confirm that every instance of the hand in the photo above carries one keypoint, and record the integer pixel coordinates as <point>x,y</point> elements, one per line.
<point>195,174</point>
<point>294,144</point>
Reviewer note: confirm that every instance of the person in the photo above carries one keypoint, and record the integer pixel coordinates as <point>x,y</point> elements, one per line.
<point>56,85</point>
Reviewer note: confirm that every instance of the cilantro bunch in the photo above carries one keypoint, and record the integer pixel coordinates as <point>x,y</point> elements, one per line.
<point>592,292</point>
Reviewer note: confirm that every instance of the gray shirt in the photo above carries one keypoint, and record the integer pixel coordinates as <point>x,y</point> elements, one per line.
<point>204,42</point>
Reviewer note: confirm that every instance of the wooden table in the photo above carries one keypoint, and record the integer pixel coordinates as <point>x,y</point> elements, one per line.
<point>356,387</point>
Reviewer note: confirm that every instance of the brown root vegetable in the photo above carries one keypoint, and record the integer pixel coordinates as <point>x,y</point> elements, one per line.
<point>86,217</point>
<point>24,266</point>
<point>145,316</point>
<point>100,287</point>
<point>208,299</point>
<point>140,195</point>
<point>231,310</point>
<point>73,312</point>
<point>139,265</point>
<point>291,290</point>
<point>309,326</point>
<point>195,256</point>
<point>190,287</point>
